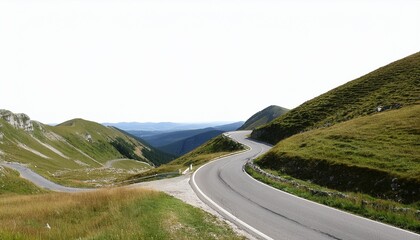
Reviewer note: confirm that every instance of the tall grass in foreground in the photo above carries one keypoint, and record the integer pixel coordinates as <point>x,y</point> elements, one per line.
<point>106,214</point>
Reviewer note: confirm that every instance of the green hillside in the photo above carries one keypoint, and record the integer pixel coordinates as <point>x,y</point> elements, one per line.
<point>392,86</point>
<point>378,155</point>
<point>73,153</point>
<point>263,117</point>
<point>157,156</point>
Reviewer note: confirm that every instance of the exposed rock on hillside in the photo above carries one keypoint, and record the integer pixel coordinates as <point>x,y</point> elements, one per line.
<point>18,120</point>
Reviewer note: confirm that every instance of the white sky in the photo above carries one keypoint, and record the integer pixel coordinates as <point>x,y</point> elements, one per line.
<point>190,61</point>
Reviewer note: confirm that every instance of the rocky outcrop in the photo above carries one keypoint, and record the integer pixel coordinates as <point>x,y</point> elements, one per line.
<point>19,120</point>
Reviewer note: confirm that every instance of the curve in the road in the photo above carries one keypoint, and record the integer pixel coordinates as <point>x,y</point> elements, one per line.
<point>39,180</point>
<point>271,213</point>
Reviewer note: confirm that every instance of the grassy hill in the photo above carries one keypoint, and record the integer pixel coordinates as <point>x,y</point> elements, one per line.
<point>392,86</point>
<point>263,117</point>
<point>377,155</point>
<point>158,157</point>
<point>72,153</point>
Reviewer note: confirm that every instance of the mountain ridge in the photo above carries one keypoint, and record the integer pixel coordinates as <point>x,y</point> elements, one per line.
<point>263,117</point>
<point>74,152</point>
<point>180,142</point>
<point>165,126</point>
<point>186,145</point>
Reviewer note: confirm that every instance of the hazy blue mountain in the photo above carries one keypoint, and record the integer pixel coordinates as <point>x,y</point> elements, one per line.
<point>141,133</point>
<point>184,146</point>
<point>229,127</point>
<point>180,142</point>
<point>162,126</point>
<point>166,138</point>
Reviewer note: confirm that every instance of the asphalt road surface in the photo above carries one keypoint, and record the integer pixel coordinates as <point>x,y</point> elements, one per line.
<point>268,213</point>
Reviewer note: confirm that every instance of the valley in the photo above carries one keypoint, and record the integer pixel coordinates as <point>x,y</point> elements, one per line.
<point>354,148</point>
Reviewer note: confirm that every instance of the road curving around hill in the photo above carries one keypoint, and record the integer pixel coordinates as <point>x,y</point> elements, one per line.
<point>268,213</point>
<point>39,180</point>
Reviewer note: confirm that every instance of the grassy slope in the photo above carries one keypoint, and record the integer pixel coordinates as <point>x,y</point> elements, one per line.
<point>157,156</point>
<point>75,160</point>
<point>395,84</point>
<point>263,117</point>
<point>216,147</point>
<point>129,164</point>
<point>106,214</point>
<point>75,132</point>
<point>368,154</point>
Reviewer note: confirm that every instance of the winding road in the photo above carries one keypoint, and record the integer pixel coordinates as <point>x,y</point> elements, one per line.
<point>268,213</point>
<point>39,180</point>
<point>261,210</point>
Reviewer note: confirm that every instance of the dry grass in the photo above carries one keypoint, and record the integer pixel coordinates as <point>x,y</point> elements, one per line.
<point>69,215</point>
<point>117,213</point>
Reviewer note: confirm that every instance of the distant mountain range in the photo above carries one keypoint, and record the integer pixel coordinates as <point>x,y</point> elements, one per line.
<point>180,142</point>
<point>164,126</point>
<point>263,117</point>
<point>186,145</point>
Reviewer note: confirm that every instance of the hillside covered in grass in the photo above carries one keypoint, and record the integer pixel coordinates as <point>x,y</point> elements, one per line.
<point>73,153</point>
<point>263,117</point>
<point>214,148</point>
<point>378,155</point>
<point>157,156</point>
<point>393,86</point>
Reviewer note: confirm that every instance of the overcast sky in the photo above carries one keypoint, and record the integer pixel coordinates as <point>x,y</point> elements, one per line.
<point>190,61</point>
